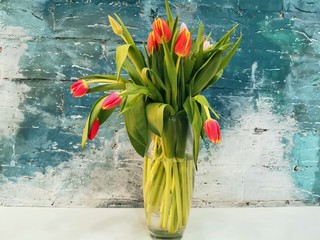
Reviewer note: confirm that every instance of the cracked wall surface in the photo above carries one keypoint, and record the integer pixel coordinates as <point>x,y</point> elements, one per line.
<point>268,100</point>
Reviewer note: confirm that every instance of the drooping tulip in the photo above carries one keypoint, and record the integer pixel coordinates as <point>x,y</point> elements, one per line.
<point>183,43</point>
<point>79,88</point>
<point>212,129</point>
<point>113,100</point>
<point>161,30</point>
<point>152,42</point>
<point>94,129</point>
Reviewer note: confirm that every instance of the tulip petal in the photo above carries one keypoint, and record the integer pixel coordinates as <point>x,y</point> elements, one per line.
<point>94,129</point>
<point>113,100</point>
<point>212,129</point>
<point>79,88</point>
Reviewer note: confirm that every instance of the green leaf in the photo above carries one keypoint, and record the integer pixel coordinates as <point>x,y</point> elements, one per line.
<point>205,74</point>
<point>197,128</point>
<point>170,69</point>
<point>104,115</point>
<point>199,40</point>
<point>134,53</point>
<point>214,79</point>
<point>188,67</point>
<point>154,92</point>
<point>107,87</point>
<point>133,73</point>
<point>169,15</point>
<point>121,55</point>
<point>155,113</point>
<point>202,100</point>
<point>131,102</point>
<point>195,120</point>
<point>95,110</point>
<point>226,37</point>
<point>229,55</point>
<point>136,58</point>
<point>100,76</point>
<point>85,133</point>
<point>158,80</point>
<point>136,125</point>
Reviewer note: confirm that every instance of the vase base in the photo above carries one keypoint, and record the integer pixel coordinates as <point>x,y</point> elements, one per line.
<point>160,234</point>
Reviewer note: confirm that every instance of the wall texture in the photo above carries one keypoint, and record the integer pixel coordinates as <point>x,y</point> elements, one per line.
<point>269,100</point>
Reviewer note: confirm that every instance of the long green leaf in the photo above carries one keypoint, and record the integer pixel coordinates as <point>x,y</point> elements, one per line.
<point>197,46</point>
<point>133,73</point>
<point>169,15</point>
<point>158,80</point>
<point>136,125</point>
<point>206,73</point>
<point>195,120</point>
<point>155,113</point>
<point>214,79</point>
<point>121,55</point>
<point>107,87</point>
<point>95,110</point>
<point>170,70</point>
<point>126,34</point>
<point>229,55</point>
<point>134,53</point>
<point>202,100</point>
<point>226,37</point>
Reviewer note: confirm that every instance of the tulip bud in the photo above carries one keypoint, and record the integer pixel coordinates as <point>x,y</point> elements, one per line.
<point>116,27</point>
<point>212,129</point>
<point>79,88</point>
<point>183,43</point>
<point>206,45</point>
<point>94,129</point>
<point>161,30</point>
<point>113,100</point>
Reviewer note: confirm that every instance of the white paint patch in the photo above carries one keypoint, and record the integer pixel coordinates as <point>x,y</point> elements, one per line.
<point>11,93</point>
<point>93,179</point>
<point>249,164</point>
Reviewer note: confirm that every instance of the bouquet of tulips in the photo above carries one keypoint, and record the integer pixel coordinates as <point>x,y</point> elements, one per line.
<point>166,78</point>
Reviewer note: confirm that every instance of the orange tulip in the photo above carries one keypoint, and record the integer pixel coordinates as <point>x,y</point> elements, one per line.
<point>161,30</point>
<point>79,88</point>
<point>113,100</point>
<point>152,42</point>
<point>183,43</point>
<point>94,129</point>
<point>212,129</point>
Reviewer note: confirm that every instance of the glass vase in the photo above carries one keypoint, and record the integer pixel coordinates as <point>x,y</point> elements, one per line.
<point>168,178</point>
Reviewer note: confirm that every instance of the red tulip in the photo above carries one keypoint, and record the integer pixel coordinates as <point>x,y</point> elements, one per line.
<point>212,128</point>
<point>161,29</point>
<point>183,43</point>
<point>152,42</point>
<point>79,88</point>
<point>113,100</point>
<point>94,129</point>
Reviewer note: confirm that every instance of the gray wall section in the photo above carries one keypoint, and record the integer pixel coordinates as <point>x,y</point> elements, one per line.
<point>268,99</point>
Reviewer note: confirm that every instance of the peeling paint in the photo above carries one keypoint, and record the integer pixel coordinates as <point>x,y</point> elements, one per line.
<point>268,100</point>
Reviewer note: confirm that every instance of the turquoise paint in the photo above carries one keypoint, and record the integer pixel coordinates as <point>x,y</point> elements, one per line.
<point>68,39</point>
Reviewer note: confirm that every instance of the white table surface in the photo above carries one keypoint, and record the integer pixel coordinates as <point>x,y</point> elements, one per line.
<point>291,223</point>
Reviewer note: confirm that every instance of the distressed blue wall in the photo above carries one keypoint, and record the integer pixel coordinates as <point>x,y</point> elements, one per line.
<point>268,99</point>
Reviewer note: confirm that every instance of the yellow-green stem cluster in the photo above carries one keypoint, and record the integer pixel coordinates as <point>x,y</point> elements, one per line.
<point>167,187</point>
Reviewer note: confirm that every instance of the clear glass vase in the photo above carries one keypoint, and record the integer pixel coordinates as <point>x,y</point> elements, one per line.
<point>168,178</point>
